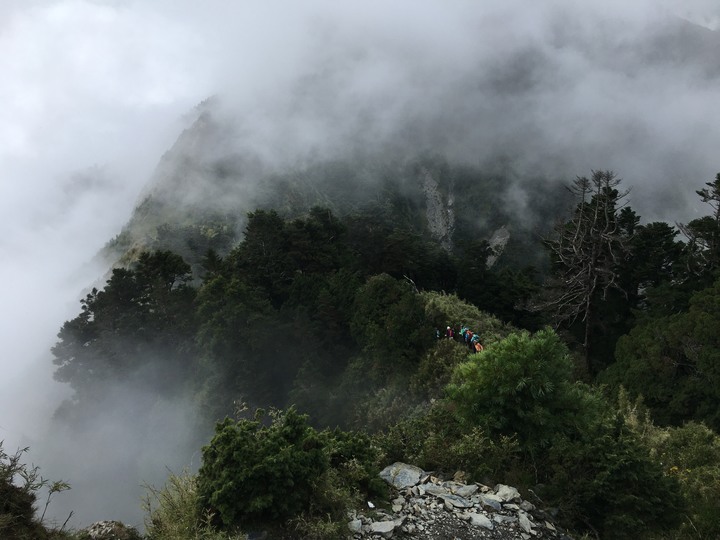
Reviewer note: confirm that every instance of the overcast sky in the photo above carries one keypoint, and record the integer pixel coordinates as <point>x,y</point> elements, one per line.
<point>93,92</point>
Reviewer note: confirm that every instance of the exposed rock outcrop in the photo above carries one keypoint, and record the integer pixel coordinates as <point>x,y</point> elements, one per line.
<point>110,530</point>
<point>497,242</point>
<point>427,507</point>
<point>440,214</point>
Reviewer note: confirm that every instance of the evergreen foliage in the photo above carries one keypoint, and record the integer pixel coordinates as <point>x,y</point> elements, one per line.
<point>520,386</point>
<point>691,454</point>
<point>389,322</point>
<point>283,472</point>
<point>594,468</point>
<point>604,478</point>
<point>253,474</point>
<point>673,362</point>
<point>144,316</point>
<point>173,512</point>
<point>703,234</point>
<point>434,439</point>
<point>436,368</point>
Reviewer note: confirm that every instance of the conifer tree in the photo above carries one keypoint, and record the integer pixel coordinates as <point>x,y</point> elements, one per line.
<point>703,235</point>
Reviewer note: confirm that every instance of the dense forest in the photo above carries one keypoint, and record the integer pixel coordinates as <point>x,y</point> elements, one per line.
<point>313,331</point>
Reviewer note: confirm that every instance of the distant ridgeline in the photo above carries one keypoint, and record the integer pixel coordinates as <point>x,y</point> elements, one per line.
<point>203,188</point>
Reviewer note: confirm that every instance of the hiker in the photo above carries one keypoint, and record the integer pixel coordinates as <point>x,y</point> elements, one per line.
<point>449,333</point>
<point>475,344</point>
<point>468,339</point>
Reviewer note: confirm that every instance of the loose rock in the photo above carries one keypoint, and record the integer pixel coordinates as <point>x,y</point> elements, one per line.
<point>426,507</point>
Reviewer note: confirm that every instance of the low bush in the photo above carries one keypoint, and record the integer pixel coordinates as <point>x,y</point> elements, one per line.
<point>577,451</point>
<point>355,459</point>
<point>254,474</point>
<point>605,480</point>
<point>435,440</point>
<point>522,386</point>
<point>691,455</point>
<point>277,472</point>
<point>436,368</point>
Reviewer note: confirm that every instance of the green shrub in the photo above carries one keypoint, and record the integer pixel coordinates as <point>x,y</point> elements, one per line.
<point>388,321</point>
<point>254,474</point>
<point>436,368</point>
<point>435,440</point>
<point>355,459</point>
<point>521,386</point>
<point>283,475</point>
<point>691,454</point>
<point>352,478</point>
<point>251,456</point>
<point>581,453</point>
<point>674,362</point>
<point>605,479</point>
<point>382,408</point>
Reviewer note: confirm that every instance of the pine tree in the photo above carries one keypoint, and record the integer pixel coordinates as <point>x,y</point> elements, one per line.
<point>703,235</point>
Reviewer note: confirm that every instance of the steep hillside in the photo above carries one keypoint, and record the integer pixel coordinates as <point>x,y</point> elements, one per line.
<point>204,186</point>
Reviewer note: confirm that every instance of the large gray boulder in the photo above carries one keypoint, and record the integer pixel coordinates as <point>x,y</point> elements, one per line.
<point>401,475</point>
<point>383,528</point>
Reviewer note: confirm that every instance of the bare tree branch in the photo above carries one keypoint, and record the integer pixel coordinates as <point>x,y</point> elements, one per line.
<point>586,252</point>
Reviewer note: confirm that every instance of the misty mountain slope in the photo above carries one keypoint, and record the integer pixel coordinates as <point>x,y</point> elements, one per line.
<point>204,186</point>
<point>497,135</point>
<point>685,45</point>
<point>180,197</point>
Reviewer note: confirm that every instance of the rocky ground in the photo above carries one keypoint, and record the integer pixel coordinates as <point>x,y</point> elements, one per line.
<point>425,507</point>
<point>429,508</point>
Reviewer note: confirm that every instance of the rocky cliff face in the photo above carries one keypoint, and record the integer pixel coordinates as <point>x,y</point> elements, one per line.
<point>439,210</point>
<point>497,242</point>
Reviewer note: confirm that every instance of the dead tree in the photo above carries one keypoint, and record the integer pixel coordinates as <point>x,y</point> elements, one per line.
<point>586,253</point>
